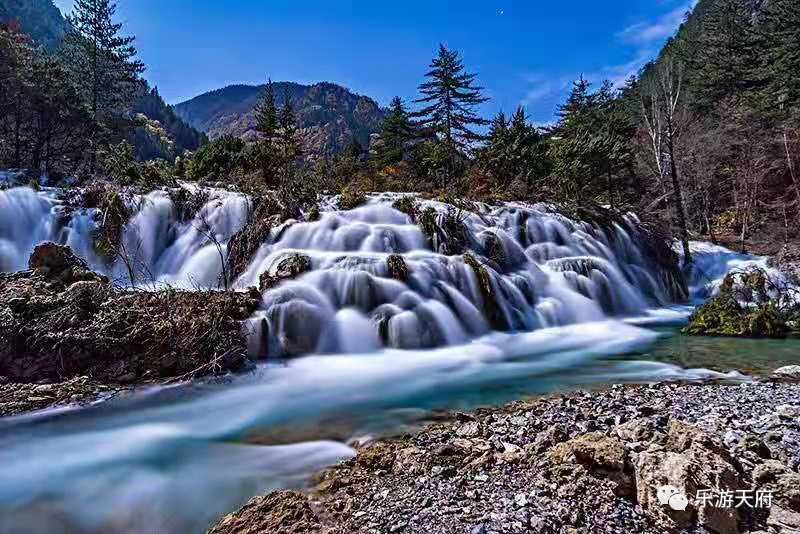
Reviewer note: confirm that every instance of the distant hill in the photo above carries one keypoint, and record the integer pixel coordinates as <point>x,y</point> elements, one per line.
<point>329,115</point>
<point>162,135</point>
<point>40,19</point>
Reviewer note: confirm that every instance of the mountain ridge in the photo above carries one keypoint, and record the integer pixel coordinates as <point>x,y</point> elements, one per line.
<point>330,116</point>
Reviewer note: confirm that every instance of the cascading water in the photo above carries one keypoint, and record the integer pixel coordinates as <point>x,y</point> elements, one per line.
<point>171,460</point>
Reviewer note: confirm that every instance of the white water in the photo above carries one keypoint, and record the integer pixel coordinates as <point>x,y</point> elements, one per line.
<point>172,460</point>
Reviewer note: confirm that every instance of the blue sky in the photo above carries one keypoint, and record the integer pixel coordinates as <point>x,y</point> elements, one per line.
<point>525,52</point>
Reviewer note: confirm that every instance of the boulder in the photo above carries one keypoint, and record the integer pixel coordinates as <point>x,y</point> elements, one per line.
<point>288,268</point>
<point>790,373</point>
<point>59,263</point>
<point>603,456</point>
<point>690,461</point>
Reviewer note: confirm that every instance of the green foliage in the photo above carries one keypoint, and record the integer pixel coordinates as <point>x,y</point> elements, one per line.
<point>217,160</point>
<point>397,132</point>
<point>104,65</point>
<point>515,153</point>
<point>177,138</point>
<point>449,99</point>
<point>749,304</point>
<point>119,163</point>
<point>352,197</point>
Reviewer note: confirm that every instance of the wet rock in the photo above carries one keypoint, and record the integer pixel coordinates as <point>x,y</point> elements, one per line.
<point>245,243</point>
<point>398,269</point>
<point>790,373</point>
<point>287,268</point>
<point>491,308</point>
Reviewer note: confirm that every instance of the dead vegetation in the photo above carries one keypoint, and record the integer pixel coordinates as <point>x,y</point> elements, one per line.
<point>60,321</point>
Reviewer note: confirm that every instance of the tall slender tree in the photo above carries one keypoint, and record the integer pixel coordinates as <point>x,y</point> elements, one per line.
<point>105,65</point>
<point>449,99</point>
<point>267,113</point>
<point>396,131</point>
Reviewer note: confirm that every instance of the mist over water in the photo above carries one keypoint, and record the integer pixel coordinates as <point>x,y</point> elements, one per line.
<point>371,352</point>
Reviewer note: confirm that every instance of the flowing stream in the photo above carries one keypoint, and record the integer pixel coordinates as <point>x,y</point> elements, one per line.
<point>368,353</point>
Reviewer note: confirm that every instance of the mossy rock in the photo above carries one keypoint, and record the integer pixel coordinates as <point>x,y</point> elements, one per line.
<point>113,214</point>
<point>406,205</point>
<point>352,197</point>
<point>723,316</point>
<point>398,269</point>
<point>446,232</point>
<point>288,268</point>
<point>494,314</point>
<point>245,243</point>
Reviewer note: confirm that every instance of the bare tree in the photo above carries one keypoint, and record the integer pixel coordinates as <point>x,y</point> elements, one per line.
<point>204,228</point>
<point>664,115</point>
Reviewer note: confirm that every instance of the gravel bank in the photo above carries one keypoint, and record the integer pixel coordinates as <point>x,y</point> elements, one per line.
<point>581,462</point>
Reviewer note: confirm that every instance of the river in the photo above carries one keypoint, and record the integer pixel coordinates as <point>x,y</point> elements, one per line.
<point>582,306</point>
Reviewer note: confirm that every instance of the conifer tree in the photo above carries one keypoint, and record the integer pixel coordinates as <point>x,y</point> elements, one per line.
<point>780,28</point>
<point>450,97</point>
<point>287,132</point>
<point>267,114</point>
<point>396,131</point>
<point>723,54</point>
<point>104,63</point>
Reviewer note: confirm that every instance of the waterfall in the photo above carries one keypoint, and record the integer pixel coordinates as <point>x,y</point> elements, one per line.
<point>521,267</point>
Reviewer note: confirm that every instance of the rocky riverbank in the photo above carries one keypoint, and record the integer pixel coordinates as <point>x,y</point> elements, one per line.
<point>580,462</point>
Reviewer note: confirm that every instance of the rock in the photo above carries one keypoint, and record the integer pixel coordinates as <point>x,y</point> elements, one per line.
<point>287,268</point>
<point>790,374</point>
<point>398,269</point>
<point>601,455</point>
<point>691,461</point>
<point>59,263</point>
<point>279,512</point>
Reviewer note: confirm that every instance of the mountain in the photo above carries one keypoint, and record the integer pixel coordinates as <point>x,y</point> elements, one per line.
<point>40,19</point>
<point>329,115</point>
<point>159,132</point>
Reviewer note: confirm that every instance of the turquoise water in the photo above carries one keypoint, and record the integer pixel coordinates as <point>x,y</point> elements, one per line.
<point>750,356</point>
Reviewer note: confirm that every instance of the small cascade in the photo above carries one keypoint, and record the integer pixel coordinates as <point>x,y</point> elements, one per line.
<point>156,246</point>
<point>371,277</point>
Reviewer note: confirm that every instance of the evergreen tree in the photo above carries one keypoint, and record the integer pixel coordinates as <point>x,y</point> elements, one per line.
<point>287,132</point>
<point>723,53</point>
<point>781,99</point>
<point>267,114</point>
<point>780,28</point>
<point>104,63</point>
<point>450,97</point>
<point>396,131</point>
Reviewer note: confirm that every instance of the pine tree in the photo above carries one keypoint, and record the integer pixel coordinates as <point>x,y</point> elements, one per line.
<point>104,63</point>
<point>780,28</point>
<point>781,98</point>
<point>267,114</point>
<point>723,54</point>
<point>450,97</point>
<point>396,131</point>
<point>287,132</point>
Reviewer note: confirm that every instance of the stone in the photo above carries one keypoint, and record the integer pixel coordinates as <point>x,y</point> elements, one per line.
<point>690,462</point>
<point>790,374</point>
<point>288,268</point>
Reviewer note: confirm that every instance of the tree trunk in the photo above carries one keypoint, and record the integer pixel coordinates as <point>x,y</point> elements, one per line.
<point>679,209</point>
<point>790,163</point>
